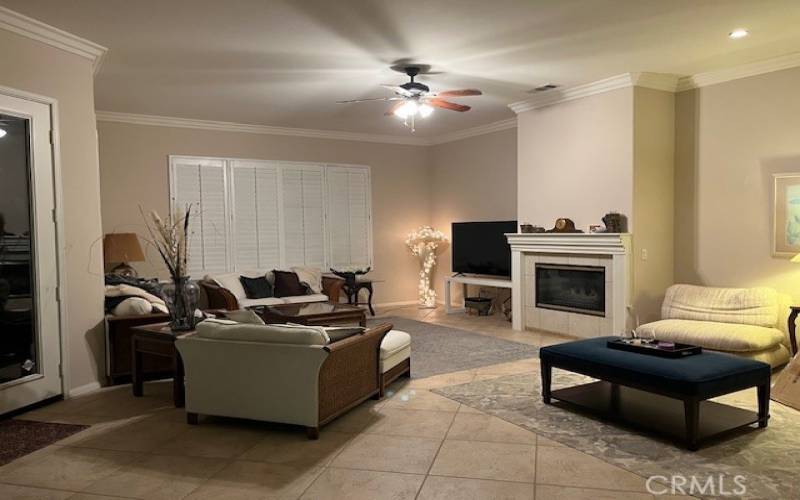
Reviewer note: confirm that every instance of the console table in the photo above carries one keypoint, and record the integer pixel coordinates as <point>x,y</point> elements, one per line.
<point>469,280</point>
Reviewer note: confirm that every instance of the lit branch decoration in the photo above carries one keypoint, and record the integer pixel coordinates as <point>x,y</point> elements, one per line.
<point>423,243</point>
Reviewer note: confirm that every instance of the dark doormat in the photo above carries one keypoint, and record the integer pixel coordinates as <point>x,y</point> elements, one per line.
<point>20,437</point>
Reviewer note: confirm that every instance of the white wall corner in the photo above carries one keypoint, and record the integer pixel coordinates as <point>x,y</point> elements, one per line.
<point>84,389</point>
<point>54,37</point>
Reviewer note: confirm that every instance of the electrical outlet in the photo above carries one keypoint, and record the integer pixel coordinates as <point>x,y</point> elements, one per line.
<point>644,254</point>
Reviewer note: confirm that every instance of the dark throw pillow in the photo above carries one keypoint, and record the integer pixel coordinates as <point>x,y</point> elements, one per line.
<point>287,284</point>
<point>256,288</point>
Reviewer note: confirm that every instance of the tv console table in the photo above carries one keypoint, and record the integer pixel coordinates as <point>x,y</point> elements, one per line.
<point>469,280</point>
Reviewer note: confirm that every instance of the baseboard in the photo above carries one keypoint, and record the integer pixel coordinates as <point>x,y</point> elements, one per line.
<point>84,389</point>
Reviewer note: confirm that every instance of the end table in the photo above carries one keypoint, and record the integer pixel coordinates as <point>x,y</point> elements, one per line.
<point>158,340</point>
<point>795,310</point>
<point>351,289</point>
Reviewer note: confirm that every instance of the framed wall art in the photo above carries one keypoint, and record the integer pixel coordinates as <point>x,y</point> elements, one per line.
<point>786,218</point>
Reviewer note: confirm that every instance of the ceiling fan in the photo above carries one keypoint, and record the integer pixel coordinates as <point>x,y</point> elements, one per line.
<point>416,99</point>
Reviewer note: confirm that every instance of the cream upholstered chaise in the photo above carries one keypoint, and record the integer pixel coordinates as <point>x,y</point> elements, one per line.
<point>290,374</point>
<point>748,322</point>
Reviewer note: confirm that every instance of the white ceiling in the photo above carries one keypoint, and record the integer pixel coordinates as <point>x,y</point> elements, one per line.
<point>284,63</point>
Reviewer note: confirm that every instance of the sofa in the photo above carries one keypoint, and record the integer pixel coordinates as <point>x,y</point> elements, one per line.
<point>289,374</point>
<point>225,291</point>
<point>747,322</point>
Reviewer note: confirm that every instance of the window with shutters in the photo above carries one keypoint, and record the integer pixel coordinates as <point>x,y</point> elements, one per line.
<point>258,215</point>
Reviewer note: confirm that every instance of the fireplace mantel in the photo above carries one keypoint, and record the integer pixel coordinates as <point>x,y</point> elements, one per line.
<point>613,251</point>
<point>583,243</point>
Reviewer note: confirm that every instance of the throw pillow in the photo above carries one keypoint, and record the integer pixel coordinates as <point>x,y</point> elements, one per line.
<point>256,288</point>
<point>311,276</point>
<point>287,284</point>
<point>244,316</point>
<point>336,333</point>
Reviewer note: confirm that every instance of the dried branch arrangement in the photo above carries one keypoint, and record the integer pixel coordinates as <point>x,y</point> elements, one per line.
<point>170,238</point>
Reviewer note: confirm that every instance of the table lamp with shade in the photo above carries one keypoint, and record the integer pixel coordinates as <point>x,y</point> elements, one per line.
<point>121,249</point>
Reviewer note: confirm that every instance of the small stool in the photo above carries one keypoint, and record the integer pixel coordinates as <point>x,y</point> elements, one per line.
<point>395,358</point>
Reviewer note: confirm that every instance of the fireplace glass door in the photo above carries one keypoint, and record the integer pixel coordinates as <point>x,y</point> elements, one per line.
<point>577,289</point>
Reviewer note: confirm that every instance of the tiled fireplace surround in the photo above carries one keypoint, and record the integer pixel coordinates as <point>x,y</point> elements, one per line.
<point>611,251</point>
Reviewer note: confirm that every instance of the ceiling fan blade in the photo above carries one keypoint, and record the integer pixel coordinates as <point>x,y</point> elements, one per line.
<point>393,108</point>
<point>397,90</point>
<point>459,93</point>
<point>439,103</point>
<point>371,99</point>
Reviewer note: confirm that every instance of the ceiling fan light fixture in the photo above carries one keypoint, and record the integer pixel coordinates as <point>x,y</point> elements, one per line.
<point>425,110</point>
<point>408,109</point>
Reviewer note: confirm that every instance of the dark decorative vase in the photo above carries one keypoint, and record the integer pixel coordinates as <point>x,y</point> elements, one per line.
<point>181,296</point>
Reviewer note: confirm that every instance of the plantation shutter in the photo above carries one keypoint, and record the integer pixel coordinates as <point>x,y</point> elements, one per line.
<point>256,215</point>
<point>201,183</point>
<point>303,215</point>
<point>348,216</point>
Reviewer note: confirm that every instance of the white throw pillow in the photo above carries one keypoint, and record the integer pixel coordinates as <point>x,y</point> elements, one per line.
<point>244,316</point>
<point>232,283</point>
<point>311,276</point>
<point>133,306</point>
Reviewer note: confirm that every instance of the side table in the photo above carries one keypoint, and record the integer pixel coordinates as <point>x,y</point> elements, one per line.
<point>157,340</point>
<point>795,310</point>
<point>351,289</point>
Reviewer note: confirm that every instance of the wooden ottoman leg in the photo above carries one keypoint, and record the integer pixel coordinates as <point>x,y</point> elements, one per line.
<point>312,432</point>
<point>191,418</point>
<point>547,374</point>
<point>691,410</point>
<point>763,405</point>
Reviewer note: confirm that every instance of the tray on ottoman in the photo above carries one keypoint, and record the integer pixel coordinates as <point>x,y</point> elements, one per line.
<point>649,391</point>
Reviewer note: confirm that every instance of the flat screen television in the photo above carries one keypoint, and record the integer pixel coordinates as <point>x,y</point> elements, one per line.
<point>482,248</point>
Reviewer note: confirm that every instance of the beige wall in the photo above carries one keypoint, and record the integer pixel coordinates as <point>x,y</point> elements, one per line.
<point>575,160</point>
<point>134,172</point>
<point>474,179</point>
<point>34,67</point>
<point>653,207</point>
<point>731,138</point>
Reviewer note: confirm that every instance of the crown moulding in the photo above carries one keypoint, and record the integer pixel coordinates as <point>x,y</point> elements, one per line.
<point>54,37</point>
<point>659,81</point>
<point>174,122</point>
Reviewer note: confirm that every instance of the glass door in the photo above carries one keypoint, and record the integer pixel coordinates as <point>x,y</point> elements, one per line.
<point>29,314</point>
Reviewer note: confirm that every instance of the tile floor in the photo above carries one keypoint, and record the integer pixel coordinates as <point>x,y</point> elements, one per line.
<point>413,444</point>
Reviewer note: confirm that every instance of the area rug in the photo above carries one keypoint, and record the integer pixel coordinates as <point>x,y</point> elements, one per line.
<point>769,459</point>
<point>437,349</point>
<point>20,437</point>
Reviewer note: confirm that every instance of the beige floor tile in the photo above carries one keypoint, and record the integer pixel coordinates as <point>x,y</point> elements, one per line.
<point>481,427</point>
<point>481,460</point>
<point>337,484</point>
<point>11,491</point>
<point>543,441</point>
<point>547,492</point>
<point>420,399</point>
<point>295,449</point>
<point>142,434</point>
<point>448,488</point>
<point>413,423</point>
<point>158,477</point>
<point>213,440</point>
<point>65,468</point>
<point>256,480</point>
<point>443,380</point>
<point>389,453</point>
<point>567,467</point>
<point>90,496</point>
<point>356,420</point>
<point>468,409</point>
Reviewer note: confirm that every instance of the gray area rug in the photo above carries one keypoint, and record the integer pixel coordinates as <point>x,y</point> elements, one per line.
<point>437,349</point>
<point>769,459</point>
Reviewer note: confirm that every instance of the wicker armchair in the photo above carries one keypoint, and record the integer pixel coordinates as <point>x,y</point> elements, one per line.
<point>305,382</point>
<point>222,298</point>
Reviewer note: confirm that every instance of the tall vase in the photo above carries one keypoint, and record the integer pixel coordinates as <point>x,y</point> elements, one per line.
<point>427,295</point>
<point>181,297</point>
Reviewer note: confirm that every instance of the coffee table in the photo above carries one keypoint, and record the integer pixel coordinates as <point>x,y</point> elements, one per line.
<point>313,314</point>
<point>665,395</point>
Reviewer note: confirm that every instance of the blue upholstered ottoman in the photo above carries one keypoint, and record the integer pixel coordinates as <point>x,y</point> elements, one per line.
<point>690,380</point>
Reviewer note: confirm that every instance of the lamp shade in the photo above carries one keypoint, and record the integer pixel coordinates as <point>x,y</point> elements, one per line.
<point>796,259</point>
<point>122,247</point>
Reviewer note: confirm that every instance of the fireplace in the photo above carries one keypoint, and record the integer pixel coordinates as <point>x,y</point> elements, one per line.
<point>576,289</point>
